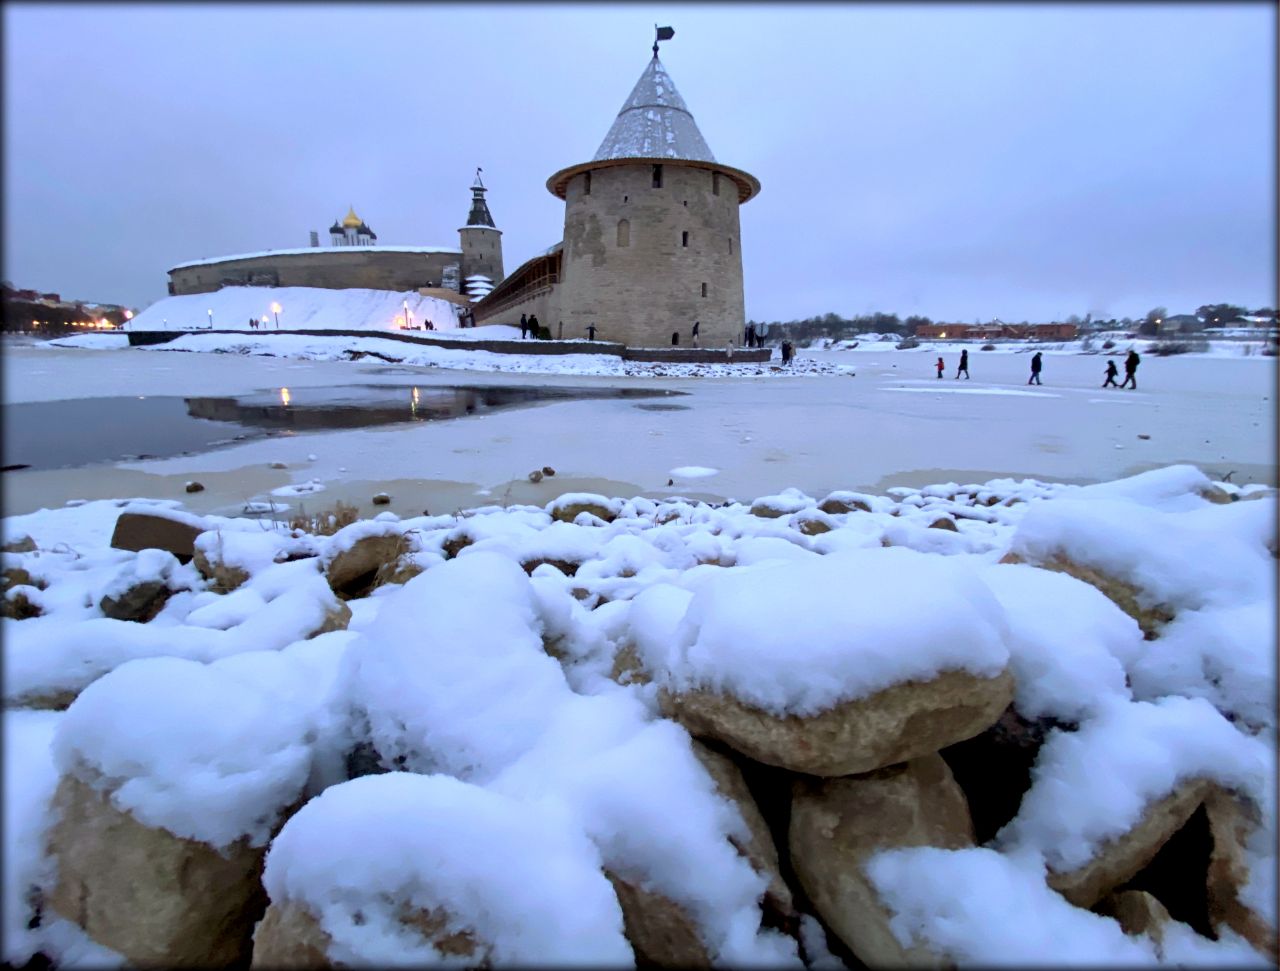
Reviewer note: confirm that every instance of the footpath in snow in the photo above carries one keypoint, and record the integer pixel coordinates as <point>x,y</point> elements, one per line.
<point>950,725</point>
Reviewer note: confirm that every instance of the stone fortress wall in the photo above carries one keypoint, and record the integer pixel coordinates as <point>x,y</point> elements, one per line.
<point>641,261</point>
<point>332,268</point>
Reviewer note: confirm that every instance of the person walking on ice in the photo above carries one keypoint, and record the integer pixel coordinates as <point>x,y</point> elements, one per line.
<point>964,365</point>
<point>1035,369</point>
<point>1111,375</point>
<point>1131,370</point>
<point>940,367</point>
<point>524,326</point>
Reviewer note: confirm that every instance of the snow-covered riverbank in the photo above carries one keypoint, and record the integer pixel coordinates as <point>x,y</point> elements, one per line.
<point>532,676</point>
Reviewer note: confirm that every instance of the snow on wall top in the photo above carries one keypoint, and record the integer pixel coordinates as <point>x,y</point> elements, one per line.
<point>300,250</point>
<point>654,123</point>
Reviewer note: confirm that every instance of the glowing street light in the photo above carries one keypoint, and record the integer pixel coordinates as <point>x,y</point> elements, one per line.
<point>408,320</point>
<point>275,309</point>
<point>211,318</point>
<point>264,320</point>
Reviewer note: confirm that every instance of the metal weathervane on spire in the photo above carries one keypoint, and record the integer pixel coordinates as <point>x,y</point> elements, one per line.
<point>478,171</point>
<point>662,33</point>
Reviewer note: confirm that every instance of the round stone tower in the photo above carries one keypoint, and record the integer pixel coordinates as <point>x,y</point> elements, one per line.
<point>652,242</point>
<point>481,240</point>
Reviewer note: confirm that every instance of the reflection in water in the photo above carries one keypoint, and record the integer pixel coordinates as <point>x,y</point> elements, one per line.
<point>83,431</point>
<point>360,407</point>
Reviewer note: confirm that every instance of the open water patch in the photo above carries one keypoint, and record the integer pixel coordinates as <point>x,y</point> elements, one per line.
<point>87,431</point>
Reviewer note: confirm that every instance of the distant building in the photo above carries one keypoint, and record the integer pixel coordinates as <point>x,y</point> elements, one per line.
<point>1180,324</point>
<point>351,231</point>
<point>355,260</point>
<point>998,331</point>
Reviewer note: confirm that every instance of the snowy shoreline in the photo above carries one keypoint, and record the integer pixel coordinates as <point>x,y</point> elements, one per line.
<point>527,662</point>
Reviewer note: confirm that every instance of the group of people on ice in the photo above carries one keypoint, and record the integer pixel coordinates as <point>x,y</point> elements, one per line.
<point>1131,362</point>
<point>1130,373</point>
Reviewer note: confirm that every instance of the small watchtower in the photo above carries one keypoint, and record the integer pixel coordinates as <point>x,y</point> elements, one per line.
<point>481,240</point>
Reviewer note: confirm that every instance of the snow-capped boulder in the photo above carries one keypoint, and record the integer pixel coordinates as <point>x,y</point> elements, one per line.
<point>660,931</point>
<point>358,551</point>
<point>837,825</point>
<point>783,504</point>
<point>419,869</point>
<point>909,720</point>
<point>1122,857</point>
<point>828,665</point>
<point>1138,913</point>
<point>571,505</point>
<point>1232,824</point>
<point>758,848</point>
<point>154,897</point>
<point>161,824</point>
<point>843,502</point>
<point>1098,811</point>
<point>1151,617</point>
<point>1154,562</point>
<point>140,590</point>
<point>161,529</point>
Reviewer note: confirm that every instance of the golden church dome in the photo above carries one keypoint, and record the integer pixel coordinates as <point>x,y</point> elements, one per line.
<point>352,221</point>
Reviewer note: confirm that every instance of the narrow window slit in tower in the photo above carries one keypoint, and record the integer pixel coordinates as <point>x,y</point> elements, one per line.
<point>684,238</point>
<point>704,289</point>
<point>657,176</point>
<point>715,183</point>
<point>586,185</point>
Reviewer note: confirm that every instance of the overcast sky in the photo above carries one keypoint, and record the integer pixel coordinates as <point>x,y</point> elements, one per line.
<point>958,161</point>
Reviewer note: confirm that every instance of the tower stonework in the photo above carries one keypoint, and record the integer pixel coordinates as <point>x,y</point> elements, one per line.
<point>481,241</point>
<point>652,240</point>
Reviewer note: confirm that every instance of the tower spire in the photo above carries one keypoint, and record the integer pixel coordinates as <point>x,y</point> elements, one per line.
<point>479,215</point>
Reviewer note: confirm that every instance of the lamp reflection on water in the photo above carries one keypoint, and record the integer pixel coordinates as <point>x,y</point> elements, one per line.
<point>284,397</point>
<point>413,402</point>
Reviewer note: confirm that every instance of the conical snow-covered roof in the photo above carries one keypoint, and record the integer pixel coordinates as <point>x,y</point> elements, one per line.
<point>654,123</point>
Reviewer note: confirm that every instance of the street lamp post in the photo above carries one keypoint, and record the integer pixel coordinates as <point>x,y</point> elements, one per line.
<point>275,309</point>
<point>211,318</point>
<point>408,321</point>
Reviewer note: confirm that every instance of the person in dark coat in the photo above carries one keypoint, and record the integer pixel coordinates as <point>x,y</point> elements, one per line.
<point>1131,371</point>
<point>1035,369</point>
<point>964,365</point>
<point>751,335</point>
<point>533,326</point>
<point>1112,371</point>
<point>591,332</point>
<point>696,326</point>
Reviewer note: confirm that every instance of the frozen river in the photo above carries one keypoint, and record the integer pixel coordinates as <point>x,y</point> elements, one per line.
<point>891,424</point>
